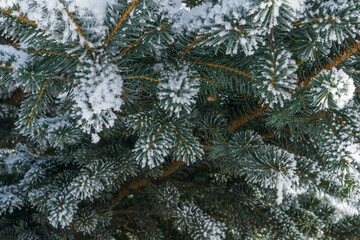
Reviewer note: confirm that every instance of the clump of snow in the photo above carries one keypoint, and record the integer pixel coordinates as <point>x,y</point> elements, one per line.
<point>354,151</point>
<point>271,13</point>
<point>203,14</point>
<point>154,145</point>
<point>54,18</point>
<point>273,8</point>
<point>178,89</point>
<point>335,85</point>
<point>97,7</point>
<point>221,23</point>
<point>286,179</point>
<point>9,54</point>
<point>62,209</point>
<point>10,199</point>
<point>82,7</point>
<point>97,96</point>
<point>342,207</point>
<point>95,138</point>
<point>203,227</point>
<point>275,71</point>
<point>13,59</point>
<point>345,88</point>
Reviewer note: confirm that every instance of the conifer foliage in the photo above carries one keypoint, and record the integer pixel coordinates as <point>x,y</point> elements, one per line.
<point>148,119</point>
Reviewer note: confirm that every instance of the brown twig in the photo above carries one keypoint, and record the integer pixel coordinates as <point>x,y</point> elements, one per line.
<point>224,67</point>
<point>121,21</point>
<point>148,78</point>
<point>21,18</point>
<point>36,103</point>
<point>193,44</point>
<point>145,181</point>
<point>78,29</point>
<point>241,120</point>
<point>345,54</point>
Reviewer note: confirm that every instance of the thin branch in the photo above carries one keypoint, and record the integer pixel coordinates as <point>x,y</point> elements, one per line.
<point>148,78</point>
<point>224,67</point>
<point>204,79</point>
<point>131,212</point>
<point>287,149</point>
<point>345,54</point>
<point>54,53</point>
<point>145,181</point>
<point>21,18</point>
<point>130,46</point>
<point>37,101</point>
<point>264,215</point>
<point>78,29</point>
<point>233,125</point>
<point>193,44</point>
<point>349,229</point>
<point>267,136</point>
<point>182,138</point>
<point>121,21</point>
<point>134,43</point>
<point>295,24</point>
<point>228,194</point>
<point>156,134</point>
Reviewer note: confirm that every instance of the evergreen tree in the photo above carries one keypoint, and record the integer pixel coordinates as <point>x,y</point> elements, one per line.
<point>145,119</point>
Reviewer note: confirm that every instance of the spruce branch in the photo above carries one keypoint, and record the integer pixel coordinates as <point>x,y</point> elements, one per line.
<point>241,120</point>
<point>156,134</point>
<point>223,67</point>
<point>147,78</point>
<point>252,206</point>
<point>145,181</point>
<point>136,42</point>
<point>345,54</point>
<point>287,149</point>
<point>55,53</point>
<point>193,44</point>
<point>133,44</point>
<point>121,21</point>
<point>36,103</point>
<point>21,18</point>
<point>298,23</point>
<point>182,138</point>
<point>78,29</point>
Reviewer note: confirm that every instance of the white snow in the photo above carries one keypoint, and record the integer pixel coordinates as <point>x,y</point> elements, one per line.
<point>82,7</point>
<point>97,96</point>
<point>52,16</point>
<point>345,88</point>
<point>343,208</point>
<point>10,199</point>
<point>178,89</point>
<point>97,7</point>
<point>340,87</point>
<point>9,53</point>
<point>219,21</point>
